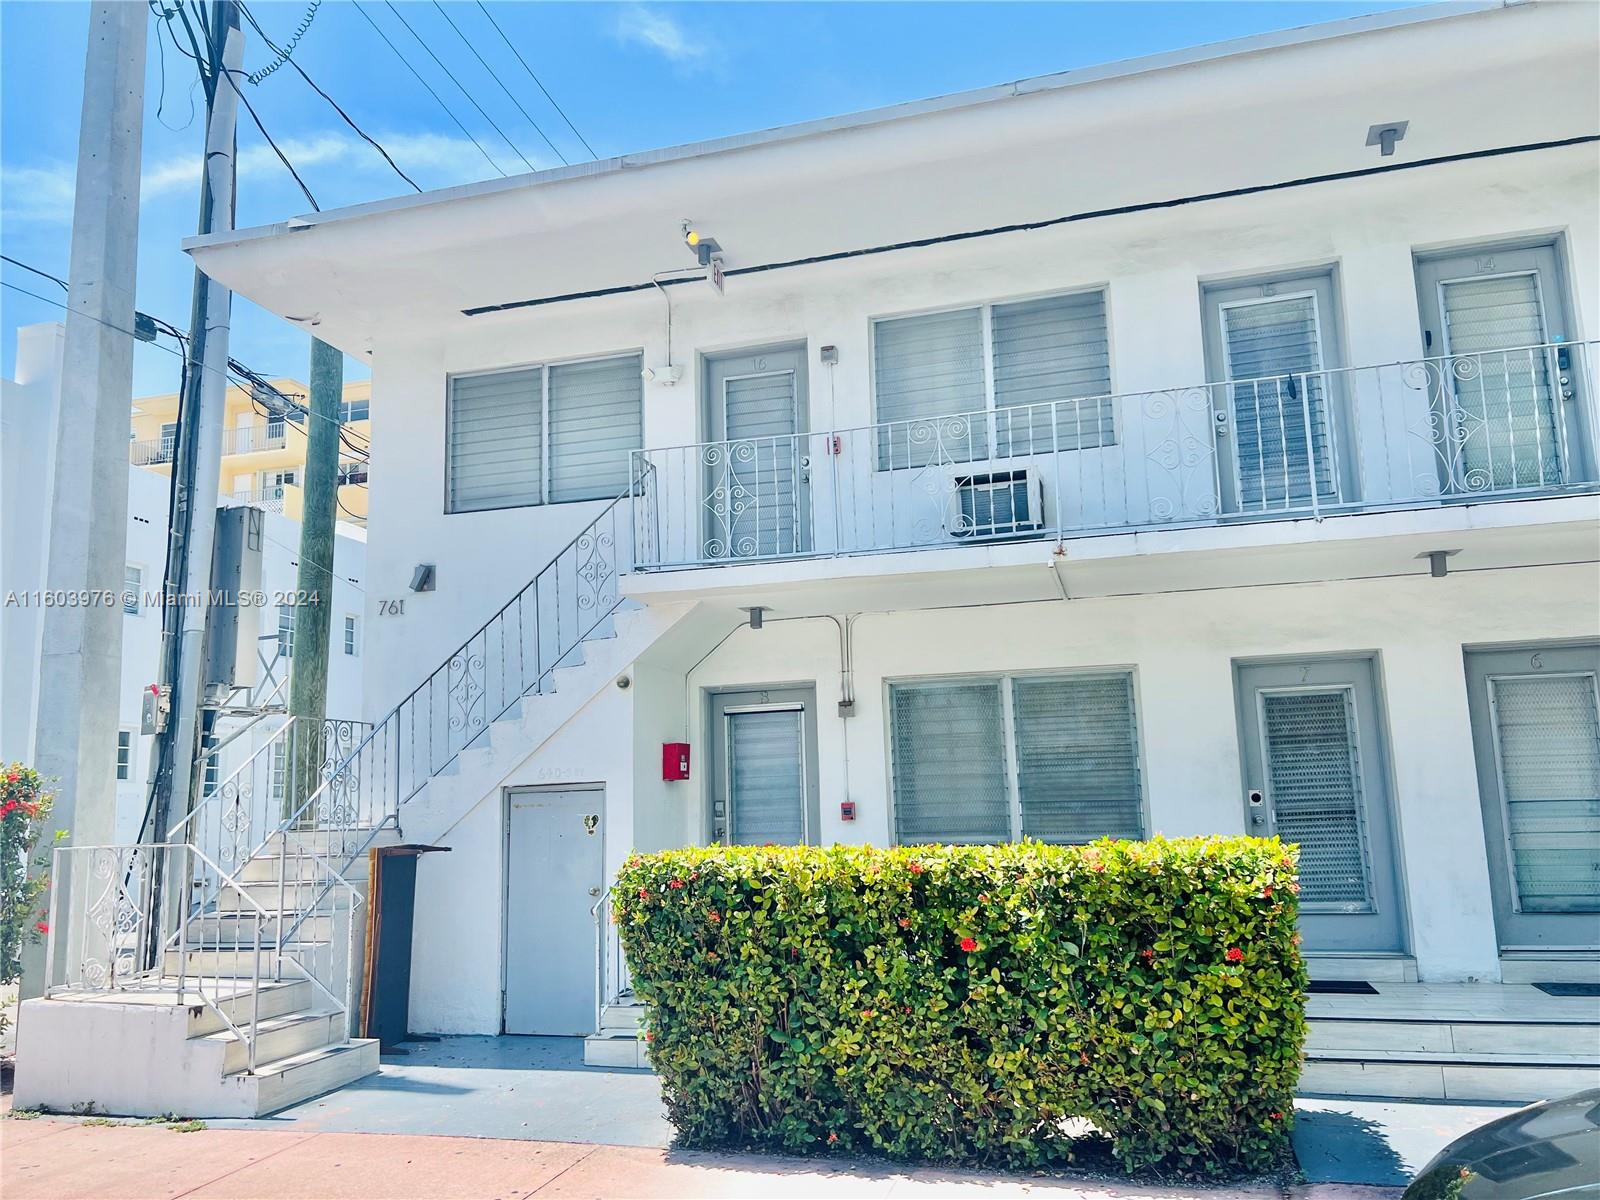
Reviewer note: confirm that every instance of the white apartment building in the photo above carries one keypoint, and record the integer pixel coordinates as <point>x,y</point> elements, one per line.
<point>1197,444</point>
<point>30,428</point>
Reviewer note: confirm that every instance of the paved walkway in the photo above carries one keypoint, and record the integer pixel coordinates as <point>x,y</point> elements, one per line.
<point>54,1158</point>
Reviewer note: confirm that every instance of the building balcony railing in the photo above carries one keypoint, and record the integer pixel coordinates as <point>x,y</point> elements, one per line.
<point>1468,427</point>
<point>248,439</point>
<point>271,499</point>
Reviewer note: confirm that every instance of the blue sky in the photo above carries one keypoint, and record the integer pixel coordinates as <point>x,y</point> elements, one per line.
<point>631,76</point>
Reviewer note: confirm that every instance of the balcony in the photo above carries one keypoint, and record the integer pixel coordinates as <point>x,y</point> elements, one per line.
<point>247,439</point>
<point>1506,424</point>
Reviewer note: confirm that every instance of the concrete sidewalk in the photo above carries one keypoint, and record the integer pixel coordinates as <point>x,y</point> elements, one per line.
<point>55,1158</point>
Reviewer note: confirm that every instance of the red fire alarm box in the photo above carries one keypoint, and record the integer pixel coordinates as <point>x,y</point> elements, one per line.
<point>847,810</point>
<point>674,760</point>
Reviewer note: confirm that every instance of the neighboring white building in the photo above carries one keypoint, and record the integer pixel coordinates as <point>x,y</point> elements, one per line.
<point>1197,444</point>
<point>30,429</point>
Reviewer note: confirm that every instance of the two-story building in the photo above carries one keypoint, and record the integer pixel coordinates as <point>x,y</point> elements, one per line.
<point>1197,444</point>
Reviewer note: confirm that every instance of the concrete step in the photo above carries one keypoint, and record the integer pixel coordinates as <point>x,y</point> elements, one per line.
<point>279,1037</point>
<point>1374,968</point>
<point>1463,1039</point>
<point>621,1018</point>
<point>265,867</point>
<point>237,965</point>
<point>238,928</point>
<point>615,1050</point>
<point>1506,1078</point>
<point>302,1076</point>
<point>1550,968</point>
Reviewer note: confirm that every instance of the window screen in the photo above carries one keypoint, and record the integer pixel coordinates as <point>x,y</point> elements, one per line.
<point>132,585</point>
<point>949,763</point>
<point>1077,758</point>
<point>124,754</point>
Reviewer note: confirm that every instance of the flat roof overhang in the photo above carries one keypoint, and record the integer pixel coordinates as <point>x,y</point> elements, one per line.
<point>1183,125</point>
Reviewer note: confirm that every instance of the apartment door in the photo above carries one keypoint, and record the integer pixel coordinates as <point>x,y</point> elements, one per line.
<point>1315,775</point>
<point>1502,384</point>
<point>1536,736</point>
<point>555,843</point>
<point>764,767</point>
<point>1279,416</point>
<point>757,469</point>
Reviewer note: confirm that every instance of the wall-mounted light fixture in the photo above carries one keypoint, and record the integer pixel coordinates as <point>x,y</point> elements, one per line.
<point>1385,136</point>
<point>755,617</point>
<point>422,578</point>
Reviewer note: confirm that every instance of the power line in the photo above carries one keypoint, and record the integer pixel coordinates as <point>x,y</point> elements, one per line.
<point>241,373</point>
<point>472,100</point>
<point>448,112</point>
<point>538,81</point>
<point>282,53</point>
<point>468,43</point>
<point>35,271</point>
<point>282,157</point>
<point>348,120</point>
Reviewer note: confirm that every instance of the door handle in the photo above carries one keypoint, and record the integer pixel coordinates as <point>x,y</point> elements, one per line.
<point>594,891</point>
<point>1257,808</point>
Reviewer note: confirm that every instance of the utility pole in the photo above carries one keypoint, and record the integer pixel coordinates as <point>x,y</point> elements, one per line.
<point>80,667</point>
<point>308,673</point>
<point>198,456</point>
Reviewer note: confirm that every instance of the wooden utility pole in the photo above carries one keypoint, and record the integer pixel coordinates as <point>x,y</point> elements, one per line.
<point>80,668</point>
<point>313,616</point>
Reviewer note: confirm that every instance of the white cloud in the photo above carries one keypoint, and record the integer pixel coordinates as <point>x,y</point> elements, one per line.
<point>37,195</point>
<point>656,30</point>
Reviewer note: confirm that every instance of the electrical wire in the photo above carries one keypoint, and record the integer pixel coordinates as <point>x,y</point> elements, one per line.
<point>282,157</point>
<point>465,41</point>
<point>282,53</point>
<point>471,99</point>
<point>348,120</point>
<point>448,112</point>
<point>538,81</point>
<point>56,279</point>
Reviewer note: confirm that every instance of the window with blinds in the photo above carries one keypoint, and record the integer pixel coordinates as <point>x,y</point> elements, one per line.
<point>1043,386</point>
<point>543,435</point>
<point>993,760</point>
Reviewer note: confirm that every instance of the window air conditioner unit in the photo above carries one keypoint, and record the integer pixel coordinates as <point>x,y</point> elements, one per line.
<point>998,504</point>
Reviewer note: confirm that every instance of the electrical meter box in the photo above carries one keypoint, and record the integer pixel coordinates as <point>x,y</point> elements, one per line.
<point>233,620</point>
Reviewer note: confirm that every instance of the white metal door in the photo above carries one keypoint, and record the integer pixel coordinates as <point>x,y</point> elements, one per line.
<point>554,872</point>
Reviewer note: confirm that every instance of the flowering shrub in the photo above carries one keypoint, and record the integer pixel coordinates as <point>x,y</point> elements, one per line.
<point>961,1003</point>
<point>24,805</point>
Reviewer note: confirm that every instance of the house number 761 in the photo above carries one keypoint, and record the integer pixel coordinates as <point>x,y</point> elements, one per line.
<point>391,608</point>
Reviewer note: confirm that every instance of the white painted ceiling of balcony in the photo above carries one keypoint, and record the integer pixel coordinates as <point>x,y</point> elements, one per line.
<point>1136,133</point>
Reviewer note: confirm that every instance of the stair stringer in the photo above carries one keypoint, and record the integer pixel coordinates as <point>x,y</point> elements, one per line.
<point>509,744</point>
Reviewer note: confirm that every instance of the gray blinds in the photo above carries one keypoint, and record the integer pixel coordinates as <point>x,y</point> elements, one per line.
<point>929,380</point>
<point>1274,354</point>
<point>1547,735</point>
<point>1063,768</point>
<point>1077,758</point>
<point>518,437</point>
<point>496,440</point>
<point>1505,416</point>
<point>766,778</point>
<point>1047,378</point>
<point>1052,358</point>
<point>1316,792</point>
<point>949,763</point>
<point>596,420</point>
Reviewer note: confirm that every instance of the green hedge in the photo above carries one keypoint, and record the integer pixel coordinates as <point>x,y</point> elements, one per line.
<point>961,1003</point>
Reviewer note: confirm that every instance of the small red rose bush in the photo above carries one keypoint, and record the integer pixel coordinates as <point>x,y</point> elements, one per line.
<point>962,1003</point>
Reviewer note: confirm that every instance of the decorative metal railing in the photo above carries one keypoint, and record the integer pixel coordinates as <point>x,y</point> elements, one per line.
<point>132,919</point>
<point>1500,423</point>
<point>510,656</point>
<point>611,978</point>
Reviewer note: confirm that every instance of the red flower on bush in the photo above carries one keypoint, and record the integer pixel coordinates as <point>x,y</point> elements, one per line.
<point>1147,954</point>
<point>1267,891</point>
<point>1096,865</point>
<point>650,1036</point>
<point>867,1014</point>
<point>983,897</point>
<point>1294,888</point>
<point>969,944</point>
<point>1083,1057</point>
<point>713,916</point>
<point>675,884</point>
<point>905,922</point>
<point>42,926</point>
<point>832,1138</point>
<point>1234,954</point>
<point>915,868</point>
<point>644,893</point>
<point>1277,1116</point>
